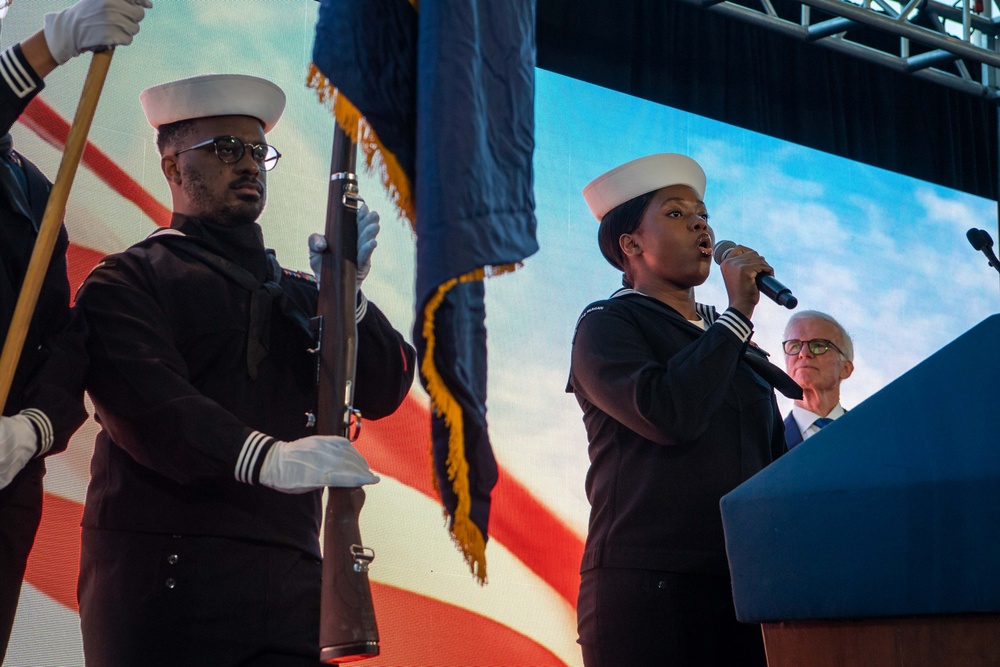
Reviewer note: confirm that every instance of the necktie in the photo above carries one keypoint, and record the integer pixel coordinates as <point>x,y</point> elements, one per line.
<point>822,422</point>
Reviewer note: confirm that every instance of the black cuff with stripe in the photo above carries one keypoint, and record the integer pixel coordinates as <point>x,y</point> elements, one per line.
<point>17,74</point>
<point>44,433</point>
<point>737,323</point>
<point>251,457</point>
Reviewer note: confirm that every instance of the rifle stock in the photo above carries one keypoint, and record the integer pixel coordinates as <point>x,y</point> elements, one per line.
<point>348,630</point>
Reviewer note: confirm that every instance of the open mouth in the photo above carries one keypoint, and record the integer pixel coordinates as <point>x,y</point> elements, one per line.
<point>705,245</point>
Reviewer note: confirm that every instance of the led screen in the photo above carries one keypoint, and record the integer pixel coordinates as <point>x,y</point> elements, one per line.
<point>883,253</point>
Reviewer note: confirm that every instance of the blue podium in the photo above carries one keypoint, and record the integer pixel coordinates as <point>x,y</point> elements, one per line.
<point>888,518</point>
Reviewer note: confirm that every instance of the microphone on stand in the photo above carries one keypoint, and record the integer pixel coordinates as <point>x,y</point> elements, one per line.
<point>766,283</point>
<point>983,242</point>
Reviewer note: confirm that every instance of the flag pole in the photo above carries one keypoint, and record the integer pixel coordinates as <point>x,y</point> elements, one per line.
<point>55,211</point>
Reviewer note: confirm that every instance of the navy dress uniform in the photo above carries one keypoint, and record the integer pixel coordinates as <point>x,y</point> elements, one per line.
<point>201,372</point>
<point>679,409</point>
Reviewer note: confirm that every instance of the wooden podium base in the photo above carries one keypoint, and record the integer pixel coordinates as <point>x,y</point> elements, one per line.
<point>916,641</point>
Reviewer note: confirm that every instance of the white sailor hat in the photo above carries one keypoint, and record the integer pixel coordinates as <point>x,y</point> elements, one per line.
<point>625,182</point>
<point>213,95</point>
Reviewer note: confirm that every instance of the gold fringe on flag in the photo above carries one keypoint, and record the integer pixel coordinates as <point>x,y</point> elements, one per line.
<point>465,533</point>
<point>378,159</point>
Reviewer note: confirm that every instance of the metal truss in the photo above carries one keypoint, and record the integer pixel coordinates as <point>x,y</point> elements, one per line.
<point>954,45</point>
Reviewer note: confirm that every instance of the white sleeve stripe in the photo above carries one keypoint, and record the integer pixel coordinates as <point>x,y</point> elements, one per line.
<point>253,460</point>
<point>4,70</point>
<point>41,422</point>
<point>361,309</point>
<point>736,325</point>
<point>20,83</point>
<point>244,465</point>
<point>22,71</point>
<point>247,459</point>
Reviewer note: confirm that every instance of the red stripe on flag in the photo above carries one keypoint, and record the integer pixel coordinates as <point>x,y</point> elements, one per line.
<point>79,262</point>
<point>54,564</point>
<point>536,536</point>
<point>418,630</point>
<point>399,446</point>
<point>46,122</point>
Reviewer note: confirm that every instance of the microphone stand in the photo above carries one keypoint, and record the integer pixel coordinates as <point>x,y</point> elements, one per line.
<point>991,258</point>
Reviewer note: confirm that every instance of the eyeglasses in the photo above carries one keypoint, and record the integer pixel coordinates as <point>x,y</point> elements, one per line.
<point>231,149</point>
<point>817,346</point>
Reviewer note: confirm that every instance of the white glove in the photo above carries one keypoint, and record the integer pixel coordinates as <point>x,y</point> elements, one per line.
<point>310,463</point>
<point>317,244</point>
<point>92,24</point>
<point>18,445</point>
<point>368,229</point>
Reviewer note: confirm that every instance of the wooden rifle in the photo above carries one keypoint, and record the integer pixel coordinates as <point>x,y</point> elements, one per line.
<point>348,630</point>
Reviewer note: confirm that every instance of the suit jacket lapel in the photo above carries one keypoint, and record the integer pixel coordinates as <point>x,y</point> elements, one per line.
<point>793,436</point>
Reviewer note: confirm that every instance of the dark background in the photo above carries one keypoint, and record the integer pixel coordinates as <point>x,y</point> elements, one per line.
<point>699,61</point>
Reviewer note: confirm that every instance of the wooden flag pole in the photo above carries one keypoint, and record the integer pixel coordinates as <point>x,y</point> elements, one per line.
<point>55,211</point>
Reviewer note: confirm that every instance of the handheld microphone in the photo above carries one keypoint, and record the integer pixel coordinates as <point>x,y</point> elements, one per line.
<point>766,283</point>
<point>983,242</point>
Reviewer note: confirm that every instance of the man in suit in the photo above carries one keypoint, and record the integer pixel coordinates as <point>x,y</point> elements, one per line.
<point>819,355</point>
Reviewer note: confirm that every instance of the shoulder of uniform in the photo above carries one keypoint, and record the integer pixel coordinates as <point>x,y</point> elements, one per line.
<point>136,254</point>
<point>595,307</point>
<point>109,262</point>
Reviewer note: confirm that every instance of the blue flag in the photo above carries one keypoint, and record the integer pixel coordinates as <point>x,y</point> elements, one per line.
<point>439,95</point>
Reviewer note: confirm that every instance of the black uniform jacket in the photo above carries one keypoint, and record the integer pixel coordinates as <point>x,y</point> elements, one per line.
<point>187,417</point>
<point>49,376</point>
<point>675,418</point>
